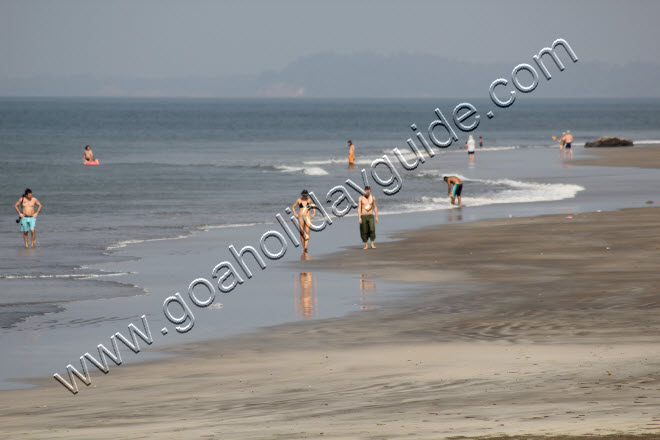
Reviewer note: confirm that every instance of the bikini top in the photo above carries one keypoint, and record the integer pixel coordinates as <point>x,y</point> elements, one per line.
<point>308,205</point>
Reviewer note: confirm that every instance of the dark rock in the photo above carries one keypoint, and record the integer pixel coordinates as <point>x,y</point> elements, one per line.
<point>609,141</point>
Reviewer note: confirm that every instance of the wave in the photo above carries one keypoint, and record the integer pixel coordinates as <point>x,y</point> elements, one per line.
<point>647,141</point>
<point>311,171</point>
<point>124,243</point>
<point>79,276</point>
<point>232,225</point>
<point>515,192</point>
<point>341,161</point>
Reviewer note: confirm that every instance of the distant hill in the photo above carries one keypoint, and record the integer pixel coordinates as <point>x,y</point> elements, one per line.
<point>362,75</point>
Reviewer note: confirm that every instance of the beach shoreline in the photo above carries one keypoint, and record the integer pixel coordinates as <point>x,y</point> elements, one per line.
<point>531,326</point>
<point>519,339</point>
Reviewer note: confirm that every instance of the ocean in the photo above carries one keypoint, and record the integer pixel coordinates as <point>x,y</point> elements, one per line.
<point>202,168</point>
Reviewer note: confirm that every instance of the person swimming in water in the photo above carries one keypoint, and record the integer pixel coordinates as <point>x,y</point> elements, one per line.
<point>304,205</point>
<point>455,187</point>
<point>28,214</point>
<point>366,210</point>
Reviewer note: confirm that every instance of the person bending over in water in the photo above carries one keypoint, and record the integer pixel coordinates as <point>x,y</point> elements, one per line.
<point>304,205</point>
<point>89,154</point>
<point>366,210</point>
<point>454,188</point>
<point>28,215</point>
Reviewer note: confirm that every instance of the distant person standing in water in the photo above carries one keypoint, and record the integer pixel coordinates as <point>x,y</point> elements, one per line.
<point>454,188</point>
<point>481,142</point>
<point>368,217</point>
<point>351,155</point>
<point>562,141</point>
<point>470,148</point>
<point>568,147</point>
<point>27,214</point>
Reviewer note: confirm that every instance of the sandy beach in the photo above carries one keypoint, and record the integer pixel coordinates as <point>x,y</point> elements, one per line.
<point>207,279</point>
<point>519,326</point>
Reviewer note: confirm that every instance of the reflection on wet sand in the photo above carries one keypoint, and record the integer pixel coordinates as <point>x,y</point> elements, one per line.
<point>305,295</point>
<point>367,289</point>
<point>455,216</point>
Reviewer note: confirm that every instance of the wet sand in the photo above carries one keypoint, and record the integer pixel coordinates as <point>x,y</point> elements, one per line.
<point>646,156</point>
<point>542,326</point>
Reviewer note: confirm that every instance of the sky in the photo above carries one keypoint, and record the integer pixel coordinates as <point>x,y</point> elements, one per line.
<point>161,39</point>
<point>255,46</point>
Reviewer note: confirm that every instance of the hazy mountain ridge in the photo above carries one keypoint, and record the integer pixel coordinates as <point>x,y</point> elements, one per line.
<point>362,75</point>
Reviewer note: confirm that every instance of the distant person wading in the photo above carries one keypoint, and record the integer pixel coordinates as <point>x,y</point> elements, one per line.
<point>351,155</point>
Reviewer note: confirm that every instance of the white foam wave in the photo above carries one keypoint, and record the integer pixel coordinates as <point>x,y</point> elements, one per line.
<point>516,192</point>
<point>233,225</point>
<point>333,161</point>
<point>407,152</point>
<point>647,141</point>
<point>311,171</point>
<point>80,276</point>
<point>123,244</point>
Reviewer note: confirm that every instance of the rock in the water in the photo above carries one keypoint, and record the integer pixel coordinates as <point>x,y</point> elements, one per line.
<point>609,141</point>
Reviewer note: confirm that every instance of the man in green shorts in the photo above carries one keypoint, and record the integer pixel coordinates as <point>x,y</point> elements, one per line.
<point>28,214</point>
<point>368,217</point>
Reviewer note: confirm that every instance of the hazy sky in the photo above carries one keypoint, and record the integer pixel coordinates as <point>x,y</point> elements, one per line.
<point>159,39</point>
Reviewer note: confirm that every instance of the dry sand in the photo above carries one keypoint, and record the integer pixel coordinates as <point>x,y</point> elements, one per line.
<point>524,326</point>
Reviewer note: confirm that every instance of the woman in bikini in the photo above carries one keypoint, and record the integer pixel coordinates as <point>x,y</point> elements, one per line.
<point>304,205</point>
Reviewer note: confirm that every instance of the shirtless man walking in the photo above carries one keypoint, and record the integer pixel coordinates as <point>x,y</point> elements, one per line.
<point>366,210</point>
<point>28,215</point>
<point>454,188</point>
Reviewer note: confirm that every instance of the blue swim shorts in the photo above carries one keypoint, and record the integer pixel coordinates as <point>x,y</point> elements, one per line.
<point>27,223</point>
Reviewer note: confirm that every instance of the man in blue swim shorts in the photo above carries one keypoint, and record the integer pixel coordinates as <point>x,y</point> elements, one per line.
<point>455,187</point>
<point>28,214</point>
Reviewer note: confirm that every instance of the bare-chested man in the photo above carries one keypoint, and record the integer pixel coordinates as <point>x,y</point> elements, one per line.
<point>368,217</point>
<point>89,154</point>
<point>454,188</point>
<point>351,155</point>
<point>568,150</point>
<point>27,214</point>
